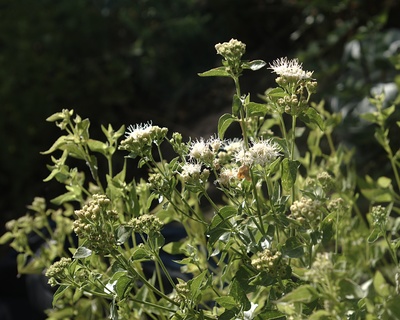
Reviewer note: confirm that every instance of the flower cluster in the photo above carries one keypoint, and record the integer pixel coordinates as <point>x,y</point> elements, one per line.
<point>227,176</point>
<point>232,50</point>
<point>96,223</point>
<point>139,138</point>
<point>57,271</point>
<point>270,262</point>
<point>182,292</point>
<point>326,180</point>
<point>146,223</point>
<point>192,173</point>
<point>320,268</point>
<point>307,210</point>
<point>379,216</point>
<point>290,70</point>
<point>205,151</point>
<point>261,153</point>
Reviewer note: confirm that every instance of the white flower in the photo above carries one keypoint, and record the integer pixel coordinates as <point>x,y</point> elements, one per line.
<point>198,149</point>
<point>233,146</point>
<point>139,131</point>
<point>227,175</point>
<point>264,152</point>
<point>214,143</point>
<point>244,157</point>
<point>190,169</point>
<point>290,69</point>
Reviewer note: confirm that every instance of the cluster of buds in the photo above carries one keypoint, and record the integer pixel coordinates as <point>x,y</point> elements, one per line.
<point>291,104</point>
<point>306,210</point>
<point>146,223</point>
<point>96,223</point>
<point>325,180</point>
<point>139,138</point>
<point>159,183</point>
<point>337,204</point>
<point>379,216</point>
<point>270,262</point>
<point>320,268</point>
<point>232,50</point>
<point>57,271</point>
<point>182,292</point>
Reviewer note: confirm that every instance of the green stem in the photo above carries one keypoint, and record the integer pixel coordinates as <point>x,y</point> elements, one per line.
<point>121,259</point>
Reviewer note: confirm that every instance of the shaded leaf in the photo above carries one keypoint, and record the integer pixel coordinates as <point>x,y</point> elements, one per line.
<point>293,248</point>
<point>289,173</point>
<point>304,293</point>
<point>82,252</point>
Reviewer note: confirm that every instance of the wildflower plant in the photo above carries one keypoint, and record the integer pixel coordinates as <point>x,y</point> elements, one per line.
<point>285,238</point>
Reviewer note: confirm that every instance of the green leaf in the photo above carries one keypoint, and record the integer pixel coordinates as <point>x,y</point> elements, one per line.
<point>256,109</point>
<point>82,252</point>
<point>370,117</point>
<point>6,237</point>
<point>289,173</point>
<point>380,285</point>
<point>98,146</point>
<point>59,293</point>
<point>122,286</point>
<point>239,294</point>
<point>276,92</point>
<point>293,248</point>
<point>216,72</point>
<point>174,247</point>
<point>304,294</point>
<point>311,116</point>
<point>61,141</point>
<point>350,290</point>
<point>374,235</point>
<point>272,315</point>
<point>321,315</point>
<point>254,65</point>
<point>139,254</point>
<point>226,302</point>
<point>123,233</point>
<point>195,285</point>
<point>224,123</point>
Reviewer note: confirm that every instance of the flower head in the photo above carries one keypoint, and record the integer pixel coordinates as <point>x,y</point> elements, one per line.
<point>290,69</point>
<point>263,153</point>
<point>227,176</point>
<point>139,131</point>
<point>232,50</point>
<point>139,137</point>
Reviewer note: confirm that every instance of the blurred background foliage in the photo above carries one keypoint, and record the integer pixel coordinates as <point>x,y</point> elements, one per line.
<point>124,62</point>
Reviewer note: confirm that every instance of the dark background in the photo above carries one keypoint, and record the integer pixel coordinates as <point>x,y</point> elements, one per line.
<point>126,62</point>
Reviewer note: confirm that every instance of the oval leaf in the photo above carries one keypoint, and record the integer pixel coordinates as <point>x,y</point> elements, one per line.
<point>82,252</point>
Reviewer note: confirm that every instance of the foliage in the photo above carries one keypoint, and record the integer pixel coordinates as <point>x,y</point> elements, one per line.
<point>285,238</point>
